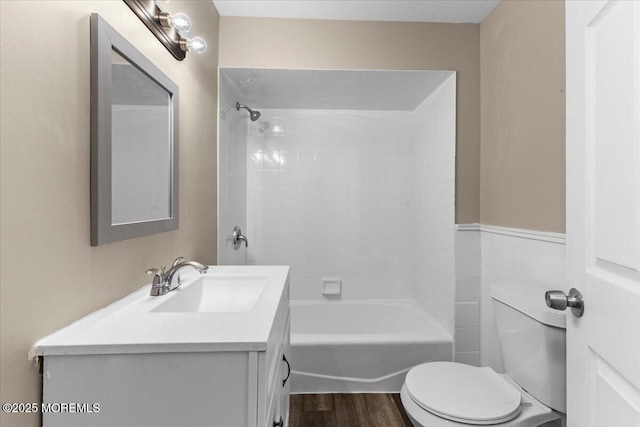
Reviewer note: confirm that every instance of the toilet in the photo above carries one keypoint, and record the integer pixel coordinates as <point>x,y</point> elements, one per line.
<point>531,393</point>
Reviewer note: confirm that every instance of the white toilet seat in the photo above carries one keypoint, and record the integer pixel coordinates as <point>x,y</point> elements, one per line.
<point>463,393</point>
<point>533,413</point>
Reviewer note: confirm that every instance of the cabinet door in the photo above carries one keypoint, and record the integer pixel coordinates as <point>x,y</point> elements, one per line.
<point>279,409</point>
<point>286,375</point>
<point>277,398</point>
<point>273,414</point>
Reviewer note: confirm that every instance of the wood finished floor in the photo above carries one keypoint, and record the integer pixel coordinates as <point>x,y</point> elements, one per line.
<point>347,410</point>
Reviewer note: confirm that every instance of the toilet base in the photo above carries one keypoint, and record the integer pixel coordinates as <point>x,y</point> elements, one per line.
<point>533,413</point>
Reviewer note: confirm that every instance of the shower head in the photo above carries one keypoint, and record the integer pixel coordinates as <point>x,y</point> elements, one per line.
<point>254,115</point>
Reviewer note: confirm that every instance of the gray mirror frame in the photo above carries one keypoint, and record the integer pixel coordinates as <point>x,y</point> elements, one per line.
<point>104,39</point>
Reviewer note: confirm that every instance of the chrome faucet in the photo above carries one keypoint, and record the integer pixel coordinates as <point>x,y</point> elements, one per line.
<point>162,280</point>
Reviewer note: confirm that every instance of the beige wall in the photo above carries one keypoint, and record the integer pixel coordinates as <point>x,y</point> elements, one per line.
<point>523,116</point>
<point>50,275</point>
<point>309,44</point>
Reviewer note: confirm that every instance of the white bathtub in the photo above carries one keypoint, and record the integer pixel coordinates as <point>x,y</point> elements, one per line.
<point>361,346</point>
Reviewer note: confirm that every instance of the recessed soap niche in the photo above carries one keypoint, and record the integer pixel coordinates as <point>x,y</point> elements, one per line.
<point>331,286</point>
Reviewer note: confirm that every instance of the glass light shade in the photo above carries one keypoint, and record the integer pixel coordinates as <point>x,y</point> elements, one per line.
<point>196,45</point>
<point>181,22</point>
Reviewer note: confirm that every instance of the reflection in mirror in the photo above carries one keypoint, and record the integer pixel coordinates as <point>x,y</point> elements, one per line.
<point>140,145</point>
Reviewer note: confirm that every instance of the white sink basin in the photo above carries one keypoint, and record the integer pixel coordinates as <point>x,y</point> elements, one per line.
<point>215,294</point>
<point>229,308</point>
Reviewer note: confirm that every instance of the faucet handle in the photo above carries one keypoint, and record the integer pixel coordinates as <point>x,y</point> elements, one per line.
<point>177,261</point>
<point>158,275</point>
<point>237,238</point>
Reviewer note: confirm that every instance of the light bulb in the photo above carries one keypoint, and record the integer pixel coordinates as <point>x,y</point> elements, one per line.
<point>181,22</point>
<point>195,45</point>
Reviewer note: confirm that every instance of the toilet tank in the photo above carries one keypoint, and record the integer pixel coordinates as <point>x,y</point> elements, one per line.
<point>532,341</point>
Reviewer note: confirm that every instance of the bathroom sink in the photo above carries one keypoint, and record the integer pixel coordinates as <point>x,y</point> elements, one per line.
<point>228,308</point>
<point>215,294</point>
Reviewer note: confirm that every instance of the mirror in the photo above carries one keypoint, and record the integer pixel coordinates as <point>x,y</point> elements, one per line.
<point>140,145</point>
<point>134,141</point>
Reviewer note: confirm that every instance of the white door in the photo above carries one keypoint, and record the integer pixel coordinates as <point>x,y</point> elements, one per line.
<point>603,212</point>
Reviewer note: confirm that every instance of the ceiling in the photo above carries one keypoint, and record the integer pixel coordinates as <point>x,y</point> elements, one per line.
<point>453,11</point>
<point>333,89</point>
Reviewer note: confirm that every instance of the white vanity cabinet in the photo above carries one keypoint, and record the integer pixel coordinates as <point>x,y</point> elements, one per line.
<point>196,382</point>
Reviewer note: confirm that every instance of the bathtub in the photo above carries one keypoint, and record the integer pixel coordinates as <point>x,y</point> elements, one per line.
<point>361,346</point>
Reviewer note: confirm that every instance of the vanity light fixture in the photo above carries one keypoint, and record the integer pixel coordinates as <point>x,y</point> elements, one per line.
<point>179,21</point>
<point>195,45</point>
<point>167,27</point>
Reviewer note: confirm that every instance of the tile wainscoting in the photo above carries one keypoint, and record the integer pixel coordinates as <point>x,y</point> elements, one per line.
<point>486,254</point>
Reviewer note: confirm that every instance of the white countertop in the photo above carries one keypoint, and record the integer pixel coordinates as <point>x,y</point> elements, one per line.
<point>129,326</point>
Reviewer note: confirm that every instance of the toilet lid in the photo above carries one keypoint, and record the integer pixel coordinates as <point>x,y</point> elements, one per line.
<point>463,393</point>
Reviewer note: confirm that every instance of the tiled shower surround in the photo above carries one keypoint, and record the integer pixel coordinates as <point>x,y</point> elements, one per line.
<point>364,196</point>
<point>332,194</point>
<point>232,174</point>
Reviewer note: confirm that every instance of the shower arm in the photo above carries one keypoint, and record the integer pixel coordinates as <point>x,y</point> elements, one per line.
<point>253,115</point>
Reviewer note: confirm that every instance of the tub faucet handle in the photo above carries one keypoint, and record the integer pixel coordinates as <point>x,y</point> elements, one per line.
<point>237,238</point>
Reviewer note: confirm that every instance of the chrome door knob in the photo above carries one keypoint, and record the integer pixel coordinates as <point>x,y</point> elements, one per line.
<point>559,301</point>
